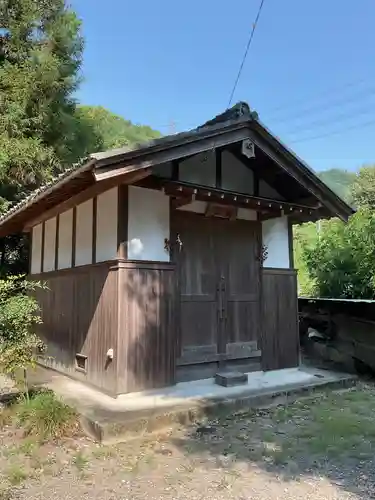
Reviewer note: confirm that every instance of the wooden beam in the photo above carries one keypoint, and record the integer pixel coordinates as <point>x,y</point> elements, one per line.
<point>57,242</point>
<point>30,250</point>
<point>42,247</point>
<point>90,192</point>
<point>122,221</point>
<point>204,193</point>
<point>94,226</point>
<point>290,242</point>
<point>195,146</point>
<point>74,236</point>
<point>269,215</point>
<point>175,170</point>
<point>219,168</point>
<point>180,202</point>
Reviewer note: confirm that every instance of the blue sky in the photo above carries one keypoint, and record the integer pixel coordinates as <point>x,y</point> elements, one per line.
<point>310,70</point>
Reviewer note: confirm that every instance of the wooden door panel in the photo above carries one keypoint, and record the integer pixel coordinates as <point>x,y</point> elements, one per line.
<point>198,320</point>
<point>240,268</point>
<point>242,321</point>
<point>197,276</point>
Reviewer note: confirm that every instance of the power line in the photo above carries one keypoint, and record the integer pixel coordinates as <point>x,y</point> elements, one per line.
<point>340,117</point>
<point>246,51</point>
<point>331,105</point>
<point>326,92</point>
<point>334,132</point>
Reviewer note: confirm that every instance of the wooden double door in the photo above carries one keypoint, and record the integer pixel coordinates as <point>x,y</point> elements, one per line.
<point>218,274</point>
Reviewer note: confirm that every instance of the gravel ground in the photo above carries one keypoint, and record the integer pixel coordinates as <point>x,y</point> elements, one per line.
<point>322,449</point>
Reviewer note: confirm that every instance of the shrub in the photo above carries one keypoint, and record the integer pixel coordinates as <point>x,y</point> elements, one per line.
<point>19,315</point>
<point>45,416</point>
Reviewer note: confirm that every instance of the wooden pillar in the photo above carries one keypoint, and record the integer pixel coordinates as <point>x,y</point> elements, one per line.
<point>122,221</point>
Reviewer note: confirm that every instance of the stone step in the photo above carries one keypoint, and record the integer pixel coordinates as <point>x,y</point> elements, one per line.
<point>230,379</point>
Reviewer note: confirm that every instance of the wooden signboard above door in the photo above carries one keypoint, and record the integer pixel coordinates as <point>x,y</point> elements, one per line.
<point>221,211</point>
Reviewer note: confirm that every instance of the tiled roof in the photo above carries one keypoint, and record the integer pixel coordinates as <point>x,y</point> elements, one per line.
<point>240,111</point>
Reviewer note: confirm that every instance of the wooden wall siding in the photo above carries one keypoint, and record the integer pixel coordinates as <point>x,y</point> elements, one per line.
<point>280,337</point>
<point>146,343</point>
<point>79,312</point>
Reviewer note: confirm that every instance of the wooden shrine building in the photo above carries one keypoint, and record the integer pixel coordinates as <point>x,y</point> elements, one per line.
<point>170,261</point>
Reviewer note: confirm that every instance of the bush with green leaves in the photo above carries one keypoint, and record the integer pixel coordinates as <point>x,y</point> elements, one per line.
<point>341,261</point>
<point>19,316</point>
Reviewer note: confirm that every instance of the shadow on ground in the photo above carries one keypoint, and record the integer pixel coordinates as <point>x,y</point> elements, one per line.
<point>330,436</point>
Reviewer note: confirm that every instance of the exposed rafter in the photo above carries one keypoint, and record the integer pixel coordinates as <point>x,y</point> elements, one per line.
<point>186,191</point>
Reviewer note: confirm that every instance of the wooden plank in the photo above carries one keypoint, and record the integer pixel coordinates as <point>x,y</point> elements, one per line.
<point>94,227</point>
<point>42,247</point>
<point>79,312</point>
<point>122,222</point>
<point>219,168</point>
<point>198,297</point>
<point>74,237</point>
<point>57,242</point>
<point>146,328</point>
<point>242,349</point>
<point>280,335</point>
<point>198,354</point>
<point>278,270</point>
<point>175,170</point>
<point>30,253</point>
<point>86,194</point>
<point>290,243</point>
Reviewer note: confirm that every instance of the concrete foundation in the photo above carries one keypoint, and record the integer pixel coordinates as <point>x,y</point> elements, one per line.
<point>130,415</point>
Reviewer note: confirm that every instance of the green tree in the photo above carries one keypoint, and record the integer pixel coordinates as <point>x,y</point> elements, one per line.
<point>341,261</point>
<point>100,129</point>
<point>363,188</point>
<point>340,181</point>
<point>40,56</point>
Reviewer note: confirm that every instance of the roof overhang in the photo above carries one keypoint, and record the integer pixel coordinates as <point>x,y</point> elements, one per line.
<point>101,171</point>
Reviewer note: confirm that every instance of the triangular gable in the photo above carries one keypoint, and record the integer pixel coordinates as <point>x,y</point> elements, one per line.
<point>100,171</point>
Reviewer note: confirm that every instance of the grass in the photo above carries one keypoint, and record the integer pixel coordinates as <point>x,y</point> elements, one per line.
<point>16,474</point>
<point>337,425</point>
<point>80,461</point>
<point>45,416</point>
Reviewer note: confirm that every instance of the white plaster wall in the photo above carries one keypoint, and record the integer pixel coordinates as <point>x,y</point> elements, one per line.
<point>199,169</point>
<point>268,191</point>
<point>64,258</point>
<point>235,175</point>
<point>36,249</point>
<point>84,233</point>
<point>148,224</point>
<point>49,245</point>
<point>275,237</point>
<point>106,225</point>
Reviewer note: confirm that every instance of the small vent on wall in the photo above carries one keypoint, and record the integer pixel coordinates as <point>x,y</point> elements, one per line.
<point>81,363</point>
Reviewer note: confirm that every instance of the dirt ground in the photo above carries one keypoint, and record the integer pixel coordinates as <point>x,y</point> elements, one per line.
<point>320,448</point>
